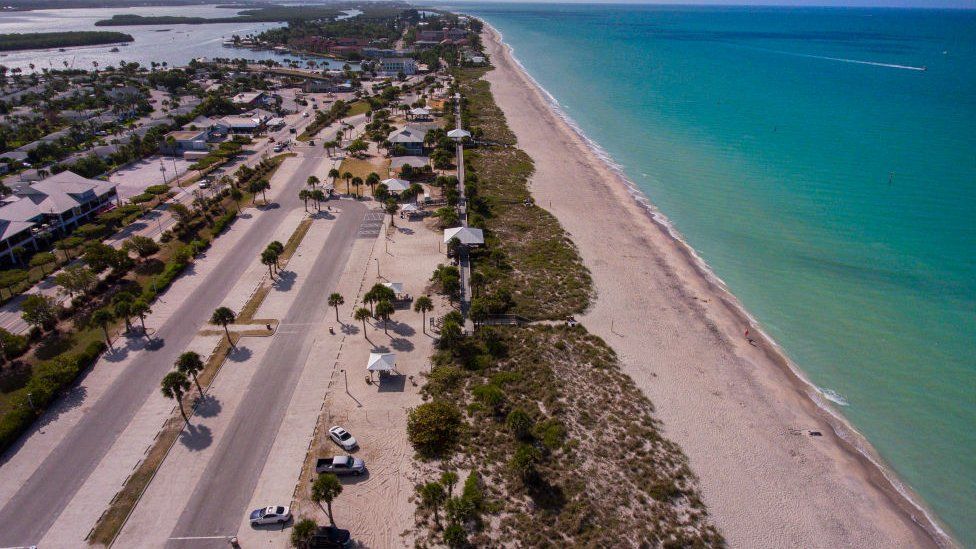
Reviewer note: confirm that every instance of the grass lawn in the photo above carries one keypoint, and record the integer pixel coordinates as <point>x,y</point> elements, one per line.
<point>362,168</point>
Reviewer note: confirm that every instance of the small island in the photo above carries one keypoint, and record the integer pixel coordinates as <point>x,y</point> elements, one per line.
<point>269,14</point>
<point>42,40</point>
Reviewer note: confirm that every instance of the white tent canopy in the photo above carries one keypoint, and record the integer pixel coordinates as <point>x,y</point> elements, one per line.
<point>397,287</point>
<point>395,185</point>
<point>458,133</point>
<point>409,207</point>
<point>468,236</point>
<point>419,111</point>
<point>381,362</point>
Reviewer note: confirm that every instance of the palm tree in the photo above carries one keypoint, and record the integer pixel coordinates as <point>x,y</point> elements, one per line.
<point>122,306</point>
<point>302,532</point>
<point>319,196</point>
<point>336,299</point>
<point>269,258</point>
<point>384,309</point>
<point>347,176</point>
<point>363,315</point>
<point>102,318</point>
<point>278,248</point>
<point>423,305</point>
<point>357,181</point>
<point>189,363</point>
<point>431,496</point>
<point>236,195</point>
<point>305,194</point>
<point>259,186</point>
<point>334,174</point>
<point>174,386</point>
<point>223,316</point>
<point>140,308</point>
<point>326,488</point>
<point>372,179</point>
<point>312,181</point>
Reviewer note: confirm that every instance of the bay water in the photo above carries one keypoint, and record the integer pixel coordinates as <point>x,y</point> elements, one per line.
<point>822,161</point>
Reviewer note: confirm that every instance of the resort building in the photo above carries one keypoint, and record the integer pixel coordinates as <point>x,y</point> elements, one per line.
<point>392,66</point>
<point>49,209</point>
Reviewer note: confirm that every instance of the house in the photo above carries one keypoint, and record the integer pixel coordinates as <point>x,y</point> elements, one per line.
<point>250,99</point>
<point>216,129</point>
<point>420,113</point>
<point>49,209</point>
<point>178,142</point>
<point>260,114</point>
<point>411,138</point>
<point>392,66</point>
<point>124,94</point>
<point>241,124</point>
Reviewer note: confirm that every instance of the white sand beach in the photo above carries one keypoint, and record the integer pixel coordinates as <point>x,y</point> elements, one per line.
<point>737,409</point>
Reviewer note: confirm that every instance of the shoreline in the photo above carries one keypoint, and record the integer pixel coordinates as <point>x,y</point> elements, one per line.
<point>849,453</point>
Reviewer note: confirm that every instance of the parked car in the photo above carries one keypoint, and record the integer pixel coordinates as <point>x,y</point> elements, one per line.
<point>279,147</point>
<point>275,514</point>
<point>342,437</point>
<point>291,130</point>
<point>330,537</point>
<point>340,465</point>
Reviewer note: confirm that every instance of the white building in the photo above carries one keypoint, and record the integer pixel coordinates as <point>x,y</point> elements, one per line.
<point>50,209</point>
<point>392,66</point>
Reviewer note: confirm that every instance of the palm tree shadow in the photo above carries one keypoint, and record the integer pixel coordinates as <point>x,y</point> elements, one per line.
<point>349,329</point>
<point>401,344</point>
<point>208,406</point>
<point>285,281</point>
<point>322,215</point>
<point>240,354</point>
<point>380,349</point>
<point>403,329</point>
<point>196,437</point>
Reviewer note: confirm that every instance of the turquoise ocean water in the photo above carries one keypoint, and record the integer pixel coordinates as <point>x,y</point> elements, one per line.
<point>825,177</point>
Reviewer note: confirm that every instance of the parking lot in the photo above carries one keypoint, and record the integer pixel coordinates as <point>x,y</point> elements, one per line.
<point>134,179</point>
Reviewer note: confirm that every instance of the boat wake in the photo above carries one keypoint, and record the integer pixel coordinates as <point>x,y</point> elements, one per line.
<point>846,60</point>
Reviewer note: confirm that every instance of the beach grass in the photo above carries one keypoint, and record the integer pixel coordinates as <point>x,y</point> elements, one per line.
<point>574,400</point>
<point>528,255</point>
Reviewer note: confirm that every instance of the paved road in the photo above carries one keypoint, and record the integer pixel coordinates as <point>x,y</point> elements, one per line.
<point>65,469</point>
<point>220,498</point>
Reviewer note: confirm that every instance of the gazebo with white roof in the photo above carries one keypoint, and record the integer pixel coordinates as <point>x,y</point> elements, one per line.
<point>395,185</point>
<point>381,362</point>
<point>468,236</point>
<point>458,134</point>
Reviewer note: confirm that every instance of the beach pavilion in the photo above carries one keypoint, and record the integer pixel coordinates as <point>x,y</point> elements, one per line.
<point>395,185</point>
<point>468,236</point>
<point>458,134</point>
<point>381,362</point>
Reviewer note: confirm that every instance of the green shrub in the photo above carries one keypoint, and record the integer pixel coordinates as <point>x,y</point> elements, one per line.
<point>434,428</point>
<point>489,395</point>
<point>157,189</point>
<point>141,198</point>
<point>13,345</point>
<point>519,423</point>
<point>48,379</point>
<point>223,221</point>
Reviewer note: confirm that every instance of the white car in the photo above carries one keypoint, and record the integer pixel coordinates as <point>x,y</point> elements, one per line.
<point>275,514</point>
<point>342,437</point>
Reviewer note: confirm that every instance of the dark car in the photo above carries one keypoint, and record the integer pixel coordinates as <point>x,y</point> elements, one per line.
<point>330,537</point>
